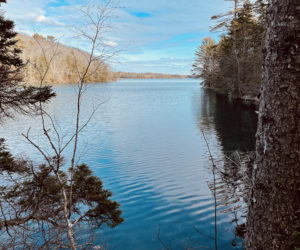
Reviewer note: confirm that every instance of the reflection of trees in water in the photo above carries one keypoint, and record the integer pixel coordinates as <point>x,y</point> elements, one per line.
<point>235,124</point>
<point>230,187</point>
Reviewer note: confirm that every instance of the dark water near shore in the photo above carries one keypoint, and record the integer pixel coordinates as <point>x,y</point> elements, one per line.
<point>145,143</point>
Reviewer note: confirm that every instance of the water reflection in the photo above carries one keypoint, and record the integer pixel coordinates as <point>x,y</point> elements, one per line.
<point>235,124</point>
<point>146,146</point>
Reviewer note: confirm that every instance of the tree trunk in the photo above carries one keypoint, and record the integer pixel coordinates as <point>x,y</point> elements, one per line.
<point>276,179</point>
<point>236,86</point>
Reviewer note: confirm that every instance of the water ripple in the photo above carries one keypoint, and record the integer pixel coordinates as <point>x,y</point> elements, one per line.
<point>146,146</point>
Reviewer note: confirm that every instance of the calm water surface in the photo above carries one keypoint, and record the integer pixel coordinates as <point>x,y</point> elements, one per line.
<point>145,143</point>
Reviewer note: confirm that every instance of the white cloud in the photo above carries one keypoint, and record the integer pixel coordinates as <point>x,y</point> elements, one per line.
<point>41,18</point>
<point>173,28</point>
<point>111,43</point>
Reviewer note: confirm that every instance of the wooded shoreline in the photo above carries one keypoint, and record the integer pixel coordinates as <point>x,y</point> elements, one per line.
<point>245,98</point>
<point>37,51</point>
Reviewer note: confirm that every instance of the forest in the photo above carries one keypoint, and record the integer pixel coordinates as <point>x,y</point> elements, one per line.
<point>232,64</point>
<point>63,68</point>
<point>151,140</point>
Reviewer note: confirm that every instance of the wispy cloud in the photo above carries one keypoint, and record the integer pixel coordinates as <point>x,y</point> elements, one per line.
<point>149,32</point>
<point>111,43</point>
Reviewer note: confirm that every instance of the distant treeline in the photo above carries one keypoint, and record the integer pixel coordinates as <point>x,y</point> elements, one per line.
<point>233,64</point>
<point>128,75</point>
<point>38,50</point>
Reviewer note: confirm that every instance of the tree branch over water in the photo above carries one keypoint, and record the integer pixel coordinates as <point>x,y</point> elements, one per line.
<point>56,198</point>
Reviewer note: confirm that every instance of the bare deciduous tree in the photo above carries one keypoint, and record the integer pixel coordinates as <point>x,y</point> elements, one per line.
<point>42,204</point>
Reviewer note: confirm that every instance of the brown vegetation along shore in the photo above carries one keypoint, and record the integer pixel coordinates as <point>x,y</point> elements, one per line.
<point>37,50</point>
<point>148,75</point>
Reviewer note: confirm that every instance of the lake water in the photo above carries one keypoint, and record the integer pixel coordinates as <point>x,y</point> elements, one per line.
<point>146,144</point>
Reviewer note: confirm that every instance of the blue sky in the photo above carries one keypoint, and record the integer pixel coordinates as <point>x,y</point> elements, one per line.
<point>152,35</point>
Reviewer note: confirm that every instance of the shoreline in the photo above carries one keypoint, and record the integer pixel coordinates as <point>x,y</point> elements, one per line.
<point>245,98</point>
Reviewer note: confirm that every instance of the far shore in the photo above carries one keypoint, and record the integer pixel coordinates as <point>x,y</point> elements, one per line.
<point>113,80</point>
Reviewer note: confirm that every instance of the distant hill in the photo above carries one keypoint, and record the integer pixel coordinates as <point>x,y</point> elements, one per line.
<point>63,68</point>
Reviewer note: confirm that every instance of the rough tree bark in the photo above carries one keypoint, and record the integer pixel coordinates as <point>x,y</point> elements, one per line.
<point>236,87</point>
<point>276,195</point>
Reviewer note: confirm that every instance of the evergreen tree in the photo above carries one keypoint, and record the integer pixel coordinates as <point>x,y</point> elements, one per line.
<point>260,8</point>
<point>237,56</point>
<point>13,94</point>
<point>45,206</point>
<point>206,63</point>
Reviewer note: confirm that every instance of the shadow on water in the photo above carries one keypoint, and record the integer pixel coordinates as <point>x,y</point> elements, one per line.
<point>146,146</point>
<point>235,123</point>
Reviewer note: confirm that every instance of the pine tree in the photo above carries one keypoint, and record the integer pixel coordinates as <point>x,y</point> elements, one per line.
<point>237,56</point>
<point>13,94</point>
<point>206,63</point>
<point>48,206</point>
